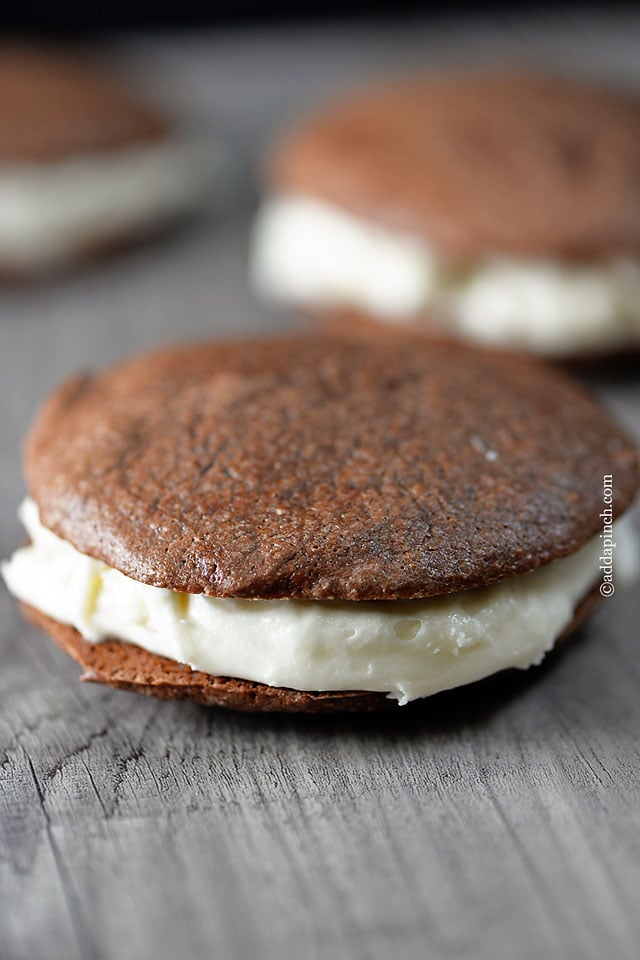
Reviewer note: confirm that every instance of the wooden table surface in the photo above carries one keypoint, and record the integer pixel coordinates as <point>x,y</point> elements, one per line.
<point>501,821</point>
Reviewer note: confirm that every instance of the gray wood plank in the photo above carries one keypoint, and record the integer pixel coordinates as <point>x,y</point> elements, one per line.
<point>499,821</point>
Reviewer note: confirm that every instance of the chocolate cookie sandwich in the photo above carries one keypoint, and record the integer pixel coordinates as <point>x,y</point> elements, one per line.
<point>84,166</point>
<point>316,524</point>
<point>500,208</point>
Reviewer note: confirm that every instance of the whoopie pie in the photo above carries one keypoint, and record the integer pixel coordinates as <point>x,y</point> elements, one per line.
<point>493,206</point>
<point>84,165</point>
<point>312,524</point>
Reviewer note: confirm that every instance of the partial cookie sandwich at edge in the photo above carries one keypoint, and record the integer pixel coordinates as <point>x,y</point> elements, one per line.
<point>84,165</point>
<point>497,207</point>
<point>314,524</point>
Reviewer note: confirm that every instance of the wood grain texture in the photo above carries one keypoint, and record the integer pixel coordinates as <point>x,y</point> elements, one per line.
<point>498,822</point>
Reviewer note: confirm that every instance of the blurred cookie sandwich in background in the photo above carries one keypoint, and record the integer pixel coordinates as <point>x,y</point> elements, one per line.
<point>501,208</point>
<point>84,165</point>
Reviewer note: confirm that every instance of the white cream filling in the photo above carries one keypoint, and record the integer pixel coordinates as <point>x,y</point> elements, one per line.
<point>50,211</point>
<point>311,253</point>
<point>408,648</point>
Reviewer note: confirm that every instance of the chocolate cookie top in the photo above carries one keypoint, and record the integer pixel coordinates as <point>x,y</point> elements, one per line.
<point>55,107</point>
<point>318,468</point>
<point>480,162</point>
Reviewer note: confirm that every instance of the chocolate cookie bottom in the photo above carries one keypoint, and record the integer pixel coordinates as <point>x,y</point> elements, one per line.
<point>122,665</point>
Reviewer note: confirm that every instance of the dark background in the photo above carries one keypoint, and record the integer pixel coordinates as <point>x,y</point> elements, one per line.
<point>75,15</point>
